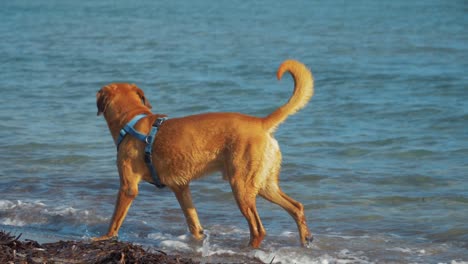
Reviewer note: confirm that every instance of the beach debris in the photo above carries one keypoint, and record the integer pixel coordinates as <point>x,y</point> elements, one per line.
<point>12,250</point>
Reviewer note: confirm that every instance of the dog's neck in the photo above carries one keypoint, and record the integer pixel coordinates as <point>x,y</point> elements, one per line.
<point>116,120</point>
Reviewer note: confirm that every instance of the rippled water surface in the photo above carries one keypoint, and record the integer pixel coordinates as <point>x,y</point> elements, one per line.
<point>378,157</point>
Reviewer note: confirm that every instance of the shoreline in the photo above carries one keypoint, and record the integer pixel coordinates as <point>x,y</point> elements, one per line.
<point>17,249</point>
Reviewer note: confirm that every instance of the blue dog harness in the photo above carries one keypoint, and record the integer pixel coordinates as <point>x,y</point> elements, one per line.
<point>148,139</point>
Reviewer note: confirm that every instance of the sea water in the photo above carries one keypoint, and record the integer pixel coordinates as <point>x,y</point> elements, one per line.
<point>378,157</point>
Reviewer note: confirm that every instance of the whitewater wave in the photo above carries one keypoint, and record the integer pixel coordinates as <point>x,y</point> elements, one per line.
<point>213,248</point>
<point>230,242</point>
<point>224,242</point>
<point>21,213</point>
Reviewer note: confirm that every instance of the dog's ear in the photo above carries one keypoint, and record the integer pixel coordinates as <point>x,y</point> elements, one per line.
<point>101,101</point>
<point>141,94</point>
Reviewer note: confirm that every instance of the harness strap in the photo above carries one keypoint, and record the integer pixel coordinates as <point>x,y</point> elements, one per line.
<point>128,128</point>
<point>149,150</point>
<point>148,139</point>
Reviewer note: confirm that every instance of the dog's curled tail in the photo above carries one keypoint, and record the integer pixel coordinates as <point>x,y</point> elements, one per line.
<point>303,91</point>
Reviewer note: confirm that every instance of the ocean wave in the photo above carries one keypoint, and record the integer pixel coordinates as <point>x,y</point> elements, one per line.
<point>212,247</point>
<point>410,180</point>
<point>412,154</point>
<point>35,212</point>
<point>229,243</point>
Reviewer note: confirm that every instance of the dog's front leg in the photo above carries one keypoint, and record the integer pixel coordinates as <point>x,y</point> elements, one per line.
<point>185,200</point>
<point>127,193</point>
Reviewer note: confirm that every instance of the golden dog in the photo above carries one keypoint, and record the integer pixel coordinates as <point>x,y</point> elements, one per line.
<point>241,147</point>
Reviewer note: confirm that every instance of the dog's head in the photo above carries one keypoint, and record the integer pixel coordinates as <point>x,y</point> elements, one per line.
<point>120,95</point>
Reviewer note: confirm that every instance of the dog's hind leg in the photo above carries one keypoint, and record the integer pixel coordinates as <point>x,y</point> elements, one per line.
<point>184,197</point>
<point>248,208</point>
<point>245,195</point>
<point>271,191</point>
<point>245,172</point>
<point>274,194</point>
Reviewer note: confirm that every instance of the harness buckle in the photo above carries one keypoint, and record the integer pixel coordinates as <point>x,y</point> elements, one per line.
<point>159,121</point>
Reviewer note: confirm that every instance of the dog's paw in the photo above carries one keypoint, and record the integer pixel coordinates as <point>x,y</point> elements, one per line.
<point>198,236</point>
<point>308,241</point>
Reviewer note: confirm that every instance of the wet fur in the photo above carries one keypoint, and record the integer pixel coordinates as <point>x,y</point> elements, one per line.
<point>242,147</point>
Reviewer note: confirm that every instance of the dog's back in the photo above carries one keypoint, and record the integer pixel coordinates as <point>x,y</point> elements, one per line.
<point>203,143</point>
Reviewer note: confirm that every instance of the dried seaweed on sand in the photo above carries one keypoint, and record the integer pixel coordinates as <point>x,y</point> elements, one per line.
<point>12,250</point>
